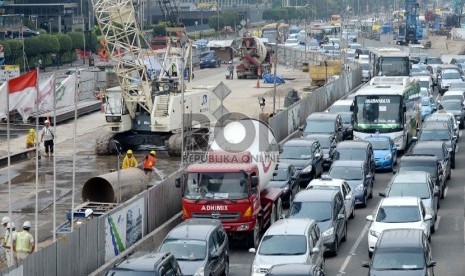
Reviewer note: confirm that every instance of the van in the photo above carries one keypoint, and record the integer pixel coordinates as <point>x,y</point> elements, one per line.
<point>324,123</point>
<point>209,59</point>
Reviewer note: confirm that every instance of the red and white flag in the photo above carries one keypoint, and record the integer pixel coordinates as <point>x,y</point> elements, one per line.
<point>22,94</point>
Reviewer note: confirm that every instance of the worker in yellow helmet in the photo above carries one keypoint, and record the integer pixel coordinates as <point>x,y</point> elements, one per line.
<point>129,160</point>
<point>149,162</point>
<point>23,242</point>
<point>31,139</point>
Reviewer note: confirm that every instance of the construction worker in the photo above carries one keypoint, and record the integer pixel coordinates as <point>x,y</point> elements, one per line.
<point>149,162</point>
<point>89,214</point>
<point>174,70</point>
<point>129,160</point>
<point>10,234</point>
<point>31,139</point>
<point>48,135</point>
<point>23,242</point>
<point>5,221</point>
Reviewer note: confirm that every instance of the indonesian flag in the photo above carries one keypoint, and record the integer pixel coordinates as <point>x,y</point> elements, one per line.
<point>22,93</point>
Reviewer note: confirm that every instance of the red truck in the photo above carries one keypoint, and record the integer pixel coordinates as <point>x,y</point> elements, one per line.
<point>254,55</point>
<point>232,185</point>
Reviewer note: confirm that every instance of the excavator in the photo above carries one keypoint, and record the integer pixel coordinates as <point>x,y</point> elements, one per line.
<point>147,107</point>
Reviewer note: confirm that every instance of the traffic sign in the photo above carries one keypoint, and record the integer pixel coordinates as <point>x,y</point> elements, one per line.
<point>220,112</point>
<point>221,91</point>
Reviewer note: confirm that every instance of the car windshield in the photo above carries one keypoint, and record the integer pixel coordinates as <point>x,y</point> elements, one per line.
<point>346,172</point>
<point>317,126</point>
<point>350,154</point>
<point>420,190</point>
<point>338,108</point>
<point>434,61</point>
<point>206,55</point>
<point>398,214</point>
<point>319,211</point>
<point>281,175</point>
<point>325,142</point>
<point>435,135</point>
<point>399,259</point>
<point>216,186</point>
<point>380,144</point>
<point>436,151</point>
<point>449,75</point>
<point>422,167</point>
<point>365,66</point>
<point>424,84</point>
<point>346,118</point>
<point>296,152</point>
<point>127,272</point>
<point>425,102</point>
<point>283,245</point>
<point>185,250</point>
<point>329,47</point>
<point>452,105</point>
<point>455,85</point>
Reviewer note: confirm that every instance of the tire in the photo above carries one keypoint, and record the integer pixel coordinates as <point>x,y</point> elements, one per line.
<point>226,269</point>
<point>254,236</point>
<point>452,165</point>
<point>344,238</point>
<point>273,215</point>
<point>336,246</point>
<point>352,215</point>
<point>364,204</point>
<point>432,230</point>
<point>371,191</point>
<point>323,264</point>
<point>370,254</point>
<point>279,209</point>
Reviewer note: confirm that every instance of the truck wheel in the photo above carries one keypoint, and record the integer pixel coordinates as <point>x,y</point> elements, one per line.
<point>254,236</point>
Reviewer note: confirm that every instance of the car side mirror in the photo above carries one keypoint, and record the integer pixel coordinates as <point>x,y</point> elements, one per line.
<point>348,197</point>
<point>394,171</point>
<point>315,250</point>
<point>301,128</point>
<point>382,194</point>
<point>177,182</point>
<point>428,217</point>
<point>340,216</point>
<point>369,218</point>
<point>436,193</point>
<point>454,137</point>
<point>317,155</point>
<point>293,177</point>
<point>365,264</point>
<point>275,173</point>
<point>254,181</point>
<point>368,176</point>
<point>252,250</point>
<point>431,264</point>
<point>414,139</point>
<point>215,256</point>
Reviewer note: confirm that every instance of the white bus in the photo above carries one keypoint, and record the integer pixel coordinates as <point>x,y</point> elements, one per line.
<point>390,106</point>
<point>389,62</point>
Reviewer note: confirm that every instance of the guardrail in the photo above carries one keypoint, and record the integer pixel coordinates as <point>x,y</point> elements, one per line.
<point>107,239</point>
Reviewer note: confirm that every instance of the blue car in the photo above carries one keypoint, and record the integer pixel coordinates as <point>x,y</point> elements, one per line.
<point>428,106</point>
<point>385,151</point>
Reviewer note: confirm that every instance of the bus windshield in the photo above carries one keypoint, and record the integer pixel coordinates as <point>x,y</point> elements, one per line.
<point>214,185</point>
<point>381,113</point>
<point>393,66</point>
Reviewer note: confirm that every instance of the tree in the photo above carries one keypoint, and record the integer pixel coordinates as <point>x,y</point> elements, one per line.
<point>16,47</point>
<point>77,39</point>
<point>159,29</point>
<point>216,21</point>
<point>6,49</point>
<point>66,46</point>
<point>33,46</point>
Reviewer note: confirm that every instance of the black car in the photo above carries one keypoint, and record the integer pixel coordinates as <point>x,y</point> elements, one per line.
<point>439,132</point>
<point>200,246</point>
<point>438,149</point>
<point>401,252</point>
<point>457,109</point>
<point>424,163</point>
<point>328,146</point>
<point>347,125</point>
<point>209,60</point>
<point>357,175</point>
<point>306,156</point>
<point>326,206</point>
<point>150,263</point>
<point>284,177</point>
<point>357,151</point>
<point>295,270</point>
<point>323,123</point>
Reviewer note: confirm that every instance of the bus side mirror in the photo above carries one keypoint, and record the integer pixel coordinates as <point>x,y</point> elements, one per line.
<point>254,181</point>
<point>405,109</point>
<point>177,182</point>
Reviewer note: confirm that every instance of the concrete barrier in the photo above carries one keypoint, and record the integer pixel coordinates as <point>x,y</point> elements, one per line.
<point>17,157</point>
<point>148,243</point>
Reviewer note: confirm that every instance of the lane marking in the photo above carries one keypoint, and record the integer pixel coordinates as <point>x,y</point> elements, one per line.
<point>353,249</point>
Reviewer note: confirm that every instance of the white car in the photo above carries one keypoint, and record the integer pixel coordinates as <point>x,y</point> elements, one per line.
<point>341,106</point>
<point>447,77</point>
<point>397,213</point>
<point>454,95</point>
<point>289,241</point>
<point>326,182</point>
<point>291,42</point>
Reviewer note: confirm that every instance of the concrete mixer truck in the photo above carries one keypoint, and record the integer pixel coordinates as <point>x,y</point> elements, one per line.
<point>231,183</point>
<point>254,55</point>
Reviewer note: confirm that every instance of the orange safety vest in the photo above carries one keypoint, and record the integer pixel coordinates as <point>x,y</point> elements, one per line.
<point>149,162</point>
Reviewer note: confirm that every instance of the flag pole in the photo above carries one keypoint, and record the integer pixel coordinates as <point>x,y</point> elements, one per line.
<point>78,84</point>
<point>54,162</point>
<point>10,211</point>
<point>36,230</point>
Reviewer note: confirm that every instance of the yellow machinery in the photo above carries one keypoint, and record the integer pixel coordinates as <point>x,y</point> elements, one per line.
<point>320,73</point>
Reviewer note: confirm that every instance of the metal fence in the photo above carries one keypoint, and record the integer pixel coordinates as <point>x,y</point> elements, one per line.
<point>104,238</point>
<point>387,41</point>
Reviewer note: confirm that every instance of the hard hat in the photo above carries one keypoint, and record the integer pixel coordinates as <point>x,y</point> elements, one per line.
<point>88,212</point>
<point>47,122</point>
<point>129,152</point>
<point>31,130</point>
<point>10,225</point>
<point>153,152</point>
<point>5,220</point>
<point>27,224</point>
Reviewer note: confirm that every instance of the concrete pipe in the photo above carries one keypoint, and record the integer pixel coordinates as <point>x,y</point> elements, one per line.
<point>105,188</point>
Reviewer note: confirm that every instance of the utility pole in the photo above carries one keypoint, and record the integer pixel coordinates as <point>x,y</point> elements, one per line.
<point>275,69</point>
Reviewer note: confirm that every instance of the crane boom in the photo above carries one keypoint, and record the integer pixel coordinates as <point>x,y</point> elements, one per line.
<point>117,21</point>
